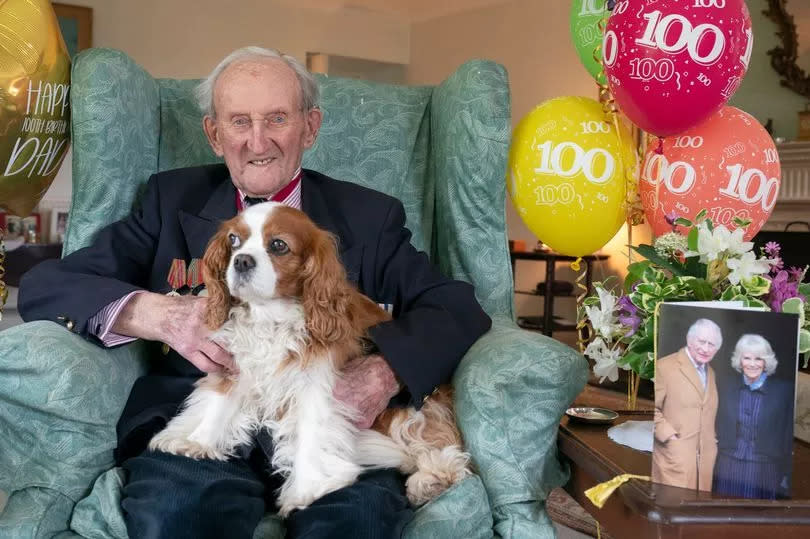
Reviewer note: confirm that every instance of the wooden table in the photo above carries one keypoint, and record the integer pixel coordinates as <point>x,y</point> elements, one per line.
<point>641,509</point>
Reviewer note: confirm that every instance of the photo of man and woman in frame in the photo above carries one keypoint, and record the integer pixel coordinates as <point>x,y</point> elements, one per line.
<point>725,390</point>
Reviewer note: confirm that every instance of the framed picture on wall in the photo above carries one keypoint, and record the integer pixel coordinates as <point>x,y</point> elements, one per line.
<point>76,24</point>
<point>58,224</point>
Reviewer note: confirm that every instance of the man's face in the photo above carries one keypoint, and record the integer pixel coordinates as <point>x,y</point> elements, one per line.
<point>703,345</point>
<point>259,127</point>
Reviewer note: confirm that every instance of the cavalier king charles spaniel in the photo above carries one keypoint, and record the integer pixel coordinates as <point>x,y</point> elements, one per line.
<point>281,304</point>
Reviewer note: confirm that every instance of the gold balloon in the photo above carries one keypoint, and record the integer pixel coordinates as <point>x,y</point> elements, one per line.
<point>34,102</point>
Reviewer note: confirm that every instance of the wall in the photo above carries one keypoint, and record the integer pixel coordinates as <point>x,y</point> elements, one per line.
<point>186,38</point>
<point>760,93</point>
<point>532,40</point>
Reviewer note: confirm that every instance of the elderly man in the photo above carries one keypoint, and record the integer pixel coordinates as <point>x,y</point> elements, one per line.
<point>685,408</point>
<point>260,114</point>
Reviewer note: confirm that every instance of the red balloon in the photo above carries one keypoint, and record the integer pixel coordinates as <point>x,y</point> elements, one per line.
<point>728,166</point>
<point>671,64</point>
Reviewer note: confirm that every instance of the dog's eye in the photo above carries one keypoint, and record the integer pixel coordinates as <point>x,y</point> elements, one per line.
<point>235,240</point>
<point>278,247</point>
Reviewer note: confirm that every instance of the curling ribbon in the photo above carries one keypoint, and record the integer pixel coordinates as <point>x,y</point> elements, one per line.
<point>581,323</point>
<point>3,289</point>
<point>601,492</point>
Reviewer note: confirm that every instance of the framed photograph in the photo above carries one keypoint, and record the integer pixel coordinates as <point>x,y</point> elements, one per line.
<point>13,228</point>
<point>58,225</point>
<point>725,392</point>
<point>76,24</point>
<point>32,228</point>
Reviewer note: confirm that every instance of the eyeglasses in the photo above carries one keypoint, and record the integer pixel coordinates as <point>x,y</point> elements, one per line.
<point>244,124</point>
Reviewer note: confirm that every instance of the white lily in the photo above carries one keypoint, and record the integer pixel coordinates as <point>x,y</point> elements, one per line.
<point>606,366</point>
<point>603,318</point>
<point>714,243</point>
<point>746,266</point>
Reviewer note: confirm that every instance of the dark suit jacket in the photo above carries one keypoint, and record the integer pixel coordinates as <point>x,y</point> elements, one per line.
<point>774,432</point>
<point>435,319</point>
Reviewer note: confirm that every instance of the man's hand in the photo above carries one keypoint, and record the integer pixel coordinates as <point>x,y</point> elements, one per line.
<point>366,385</point>
<point>178,321</point>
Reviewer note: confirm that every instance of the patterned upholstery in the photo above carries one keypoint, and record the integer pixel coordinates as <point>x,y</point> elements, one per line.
<point>441,150</point>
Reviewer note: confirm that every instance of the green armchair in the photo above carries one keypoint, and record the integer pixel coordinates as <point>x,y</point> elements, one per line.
<point>440,150</point>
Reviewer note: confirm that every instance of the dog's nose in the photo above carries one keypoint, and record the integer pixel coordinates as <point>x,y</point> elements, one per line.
<point>243,263</point>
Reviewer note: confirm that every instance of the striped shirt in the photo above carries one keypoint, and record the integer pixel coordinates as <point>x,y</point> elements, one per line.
<point>102,322</point>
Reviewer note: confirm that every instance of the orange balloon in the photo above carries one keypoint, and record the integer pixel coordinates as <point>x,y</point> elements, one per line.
<point>34,102</point>
<point>727,165</point>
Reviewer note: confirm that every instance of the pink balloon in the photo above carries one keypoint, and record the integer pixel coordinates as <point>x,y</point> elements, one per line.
<point>728,166</point>
<point>671,64</point>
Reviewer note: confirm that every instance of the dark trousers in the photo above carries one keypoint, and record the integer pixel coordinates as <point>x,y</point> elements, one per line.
<point>173,497</point>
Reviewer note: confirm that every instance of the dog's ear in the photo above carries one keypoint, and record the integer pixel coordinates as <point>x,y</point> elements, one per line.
<point>215,263</point>
<point>326,295</point>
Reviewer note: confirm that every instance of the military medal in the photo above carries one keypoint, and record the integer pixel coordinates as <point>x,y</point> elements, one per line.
<point>194,278</point>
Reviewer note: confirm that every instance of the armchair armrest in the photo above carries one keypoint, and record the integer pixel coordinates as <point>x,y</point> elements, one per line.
<point>511,390</point>
<point>60,399</point>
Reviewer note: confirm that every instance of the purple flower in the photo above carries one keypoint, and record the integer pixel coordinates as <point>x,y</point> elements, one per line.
<point>776,264</point>
<point>782,289</point>
<point>628,315</point>
<point>670,218</point>
<point>772,249</point>
<point>796,274</point>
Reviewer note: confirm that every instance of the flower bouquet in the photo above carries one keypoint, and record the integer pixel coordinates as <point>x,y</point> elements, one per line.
<point>705,263</point>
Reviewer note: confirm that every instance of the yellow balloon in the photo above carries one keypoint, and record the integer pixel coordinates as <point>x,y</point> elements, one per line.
<point>567,176</point>
<point>34,102</point>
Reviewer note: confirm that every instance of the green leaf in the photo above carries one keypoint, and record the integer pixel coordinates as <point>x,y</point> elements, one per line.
<point>653,275</point>
<point>795,306</point>
<point>804,342</point>
<point>709,225</point>
<point>757,285</point>
<point>695,268</point>
<point>701,288</point>
<point>729,293</point>
<point>634,273</point>
<point>648,252</point>
<point>650,289</point>
<point>700,215</point>
<point>649,302</point>
<point>741,223</point>
<point>756,303</point>
<point>692,240</point>
<point>804,290</point>
<point>684,222</point>
<point>648,367</point>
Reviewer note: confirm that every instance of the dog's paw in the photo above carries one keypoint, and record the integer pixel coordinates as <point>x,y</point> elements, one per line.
<point>288,504</point>
<point>184,447</point>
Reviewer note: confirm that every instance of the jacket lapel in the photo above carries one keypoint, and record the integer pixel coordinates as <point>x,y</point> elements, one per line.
<point>198,229</point>
<point>689,371</point>
<point>316,206</point>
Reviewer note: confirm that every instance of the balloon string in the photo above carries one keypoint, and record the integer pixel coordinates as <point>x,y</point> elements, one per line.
<point>582,339</point>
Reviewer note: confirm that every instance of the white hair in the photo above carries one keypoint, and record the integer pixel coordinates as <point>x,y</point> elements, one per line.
<point>705,323</point>
<point>204,92</point>
<point>757,345</point>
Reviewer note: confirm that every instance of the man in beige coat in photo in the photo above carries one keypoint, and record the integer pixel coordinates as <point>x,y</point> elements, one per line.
<point>685,408</point>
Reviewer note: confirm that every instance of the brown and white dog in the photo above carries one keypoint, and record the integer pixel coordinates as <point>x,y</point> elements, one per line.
<point>280,301</point>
